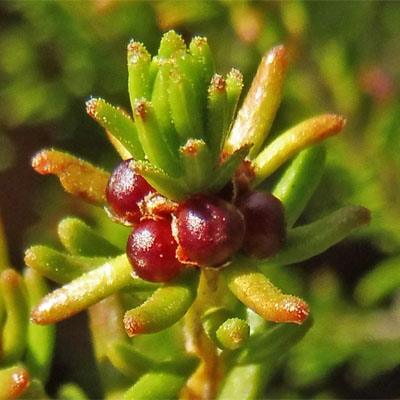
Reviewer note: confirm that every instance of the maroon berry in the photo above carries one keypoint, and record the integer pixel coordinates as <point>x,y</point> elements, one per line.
<point>125,190</point>
<point>208,229</point>
<point>265,224</point>
<point>151,249</point>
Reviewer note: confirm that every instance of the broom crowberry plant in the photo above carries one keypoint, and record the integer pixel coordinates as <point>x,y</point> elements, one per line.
<point>191,188</point>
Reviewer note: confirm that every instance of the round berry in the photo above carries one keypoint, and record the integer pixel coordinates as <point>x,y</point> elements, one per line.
<point>125,190</point>
<point>208,230</point>
<point>265,224</point>
<point>151,249</point>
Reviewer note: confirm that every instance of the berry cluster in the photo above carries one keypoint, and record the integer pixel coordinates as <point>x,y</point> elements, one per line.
<point>202,230</point>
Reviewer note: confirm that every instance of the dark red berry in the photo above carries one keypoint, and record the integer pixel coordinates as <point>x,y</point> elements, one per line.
<point>265,224</point>
<point>125,190</point>
<point>208,229</point>
<point>151,249</point>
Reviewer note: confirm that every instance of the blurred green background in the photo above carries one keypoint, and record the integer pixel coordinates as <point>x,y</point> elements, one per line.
<point>344,58</point>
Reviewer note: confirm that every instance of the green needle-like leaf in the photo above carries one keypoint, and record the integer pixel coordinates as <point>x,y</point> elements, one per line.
<point>160,101</point>
<point>213,319</point>
<point>224,172</point>
<point>13,341</point>
<point>35,391</point>
<point>13,382</point>
<point>286,145</point>
<point>197,163</point>
<point>166,306</point>
<point>128,361</point>
<point>234,86</point>
<point>380,282</point>
<point>307,241</point>
<point>117,124</point>
<point>83,292</point>
<point>190,68</point>
<point>299,182</point>
<point>79,239</point>
<point>269,345</point>
<point>254,362</point>
<point>243,382</point>
<point>71,391</point>
<point>164,382</point>
<point>106,328</point>
<point>257,113</point>
<point>157,149</point>
<point>201,51</point>
<point>217,115</point>
<point>233,333</point>
<point>255,291</point>
<point>184,105</point>
<point>41,339</point>
<point>171,44</point>
<point>138,59</point>
<point>57,266</point>
<point>174,189</point>
<point>77,176</point>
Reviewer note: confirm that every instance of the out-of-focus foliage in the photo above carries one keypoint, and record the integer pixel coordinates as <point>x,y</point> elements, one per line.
<point>345,57</point>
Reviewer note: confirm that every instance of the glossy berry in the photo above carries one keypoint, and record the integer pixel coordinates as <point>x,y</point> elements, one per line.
<point>265,224</point>
<point>151,249</point>
<point>208,229</point>
<point>125,190</point>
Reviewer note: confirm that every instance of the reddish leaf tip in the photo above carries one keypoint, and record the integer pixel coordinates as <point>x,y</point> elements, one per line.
<point>40,162</point>
<point>218,83</point>
<point>19,381</point>
<point>133,325</point>
<point>140,110</point>
<point>91,107</point>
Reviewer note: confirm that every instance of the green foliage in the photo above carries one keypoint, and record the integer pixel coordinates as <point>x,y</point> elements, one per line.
<point>76,50</point>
